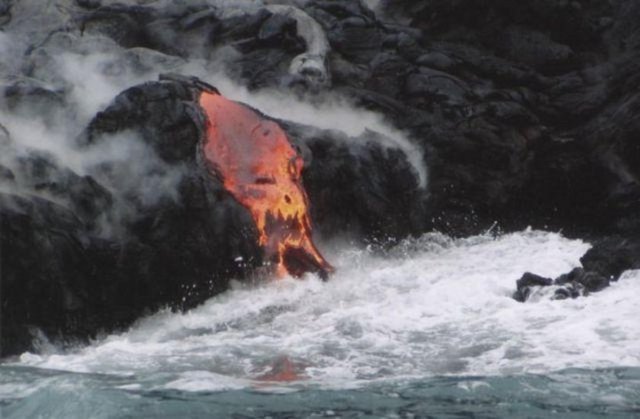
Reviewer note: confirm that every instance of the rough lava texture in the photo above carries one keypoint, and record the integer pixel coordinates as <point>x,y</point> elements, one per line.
<point>526,115</point>
<point>177,250</point>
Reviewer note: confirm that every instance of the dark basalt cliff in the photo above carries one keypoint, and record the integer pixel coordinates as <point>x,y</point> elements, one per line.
<point>525,114</point>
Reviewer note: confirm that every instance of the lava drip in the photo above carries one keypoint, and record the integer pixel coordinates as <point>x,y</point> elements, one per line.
<point>261,169</point>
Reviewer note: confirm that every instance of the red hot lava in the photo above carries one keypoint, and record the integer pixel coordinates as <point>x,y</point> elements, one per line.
<point>284,370</point>
<point>259,167</point>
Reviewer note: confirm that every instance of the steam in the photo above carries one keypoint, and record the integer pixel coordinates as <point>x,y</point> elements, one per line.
<point>375,5</point>
<point>74,77</point>
<point>329,111</point>
<point>88,75</point>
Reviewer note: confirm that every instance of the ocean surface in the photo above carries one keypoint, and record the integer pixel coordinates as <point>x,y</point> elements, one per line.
<point>427,329</point>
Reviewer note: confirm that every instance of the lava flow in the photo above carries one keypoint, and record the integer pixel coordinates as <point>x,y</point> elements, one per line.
<point>259,167</point>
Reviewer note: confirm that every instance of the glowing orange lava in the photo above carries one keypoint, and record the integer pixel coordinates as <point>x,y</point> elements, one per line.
<point>259,167</point>
<point>283,370</point>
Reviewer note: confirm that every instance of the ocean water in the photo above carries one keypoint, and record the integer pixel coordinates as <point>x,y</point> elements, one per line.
<point>427,329</point>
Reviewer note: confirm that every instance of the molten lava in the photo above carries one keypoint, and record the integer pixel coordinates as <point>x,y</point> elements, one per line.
<point>259,167</point>
<point>283,370</point>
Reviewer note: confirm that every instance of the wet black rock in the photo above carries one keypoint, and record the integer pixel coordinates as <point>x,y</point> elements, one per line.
<point>526,114</point>
<point>117,245</point>
<point>578,283</point>
<point>29,95</point>
<point>43,267</point>
<point>101,254</point>
<point>602,264</point>
<point>358,187</point>
<point>525,283</point>
<point>612,256</point>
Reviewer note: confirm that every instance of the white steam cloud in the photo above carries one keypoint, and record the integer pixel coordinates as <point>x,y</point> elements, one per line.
<point>90,70</point>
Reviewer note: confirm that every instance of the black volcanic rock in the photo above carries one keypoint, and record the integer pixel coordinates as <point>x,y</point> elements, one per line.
<point>43,271</point>
<point>116,250</point>
<point>601,265</point>
<point>358,186</point>
<point>579,282</point>
<point>29,97</point>
<point>355,185</point>
<point>526,111</point>
<point>525,283</point>
<point>612,256</point>
<point>108,255</point>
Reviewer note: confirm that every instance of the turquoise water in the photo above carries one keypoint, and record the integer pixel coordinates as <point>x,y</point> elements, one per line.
<point>428,329</point>
<point>567,394</point>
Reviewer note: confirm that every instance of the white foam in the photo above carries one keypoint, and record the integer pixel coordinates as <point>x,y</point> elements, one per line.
<point>205,381</point>
<point>430,307</point>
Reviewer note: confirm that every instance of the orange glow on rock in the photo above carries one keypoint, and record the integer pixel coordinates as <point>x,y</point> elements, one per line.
<point>260,168</point>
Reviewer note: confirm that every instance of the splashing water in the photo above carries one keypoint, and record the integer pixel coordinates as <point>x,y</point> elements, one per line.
<point>429,308</point>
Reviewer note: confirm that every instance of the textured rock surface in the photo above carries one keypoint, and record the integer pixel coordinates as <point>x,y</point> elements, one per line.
<point>602,264</point>
<point>78,276</point>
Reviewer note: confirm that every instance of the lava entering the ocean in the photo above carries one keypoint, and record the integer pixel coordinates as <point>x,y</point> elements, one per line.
<point>260,168</point>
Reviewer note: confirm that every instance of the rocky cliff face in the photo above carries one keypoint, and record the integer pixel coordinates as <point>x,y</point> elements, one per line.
<point>525,115</point>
